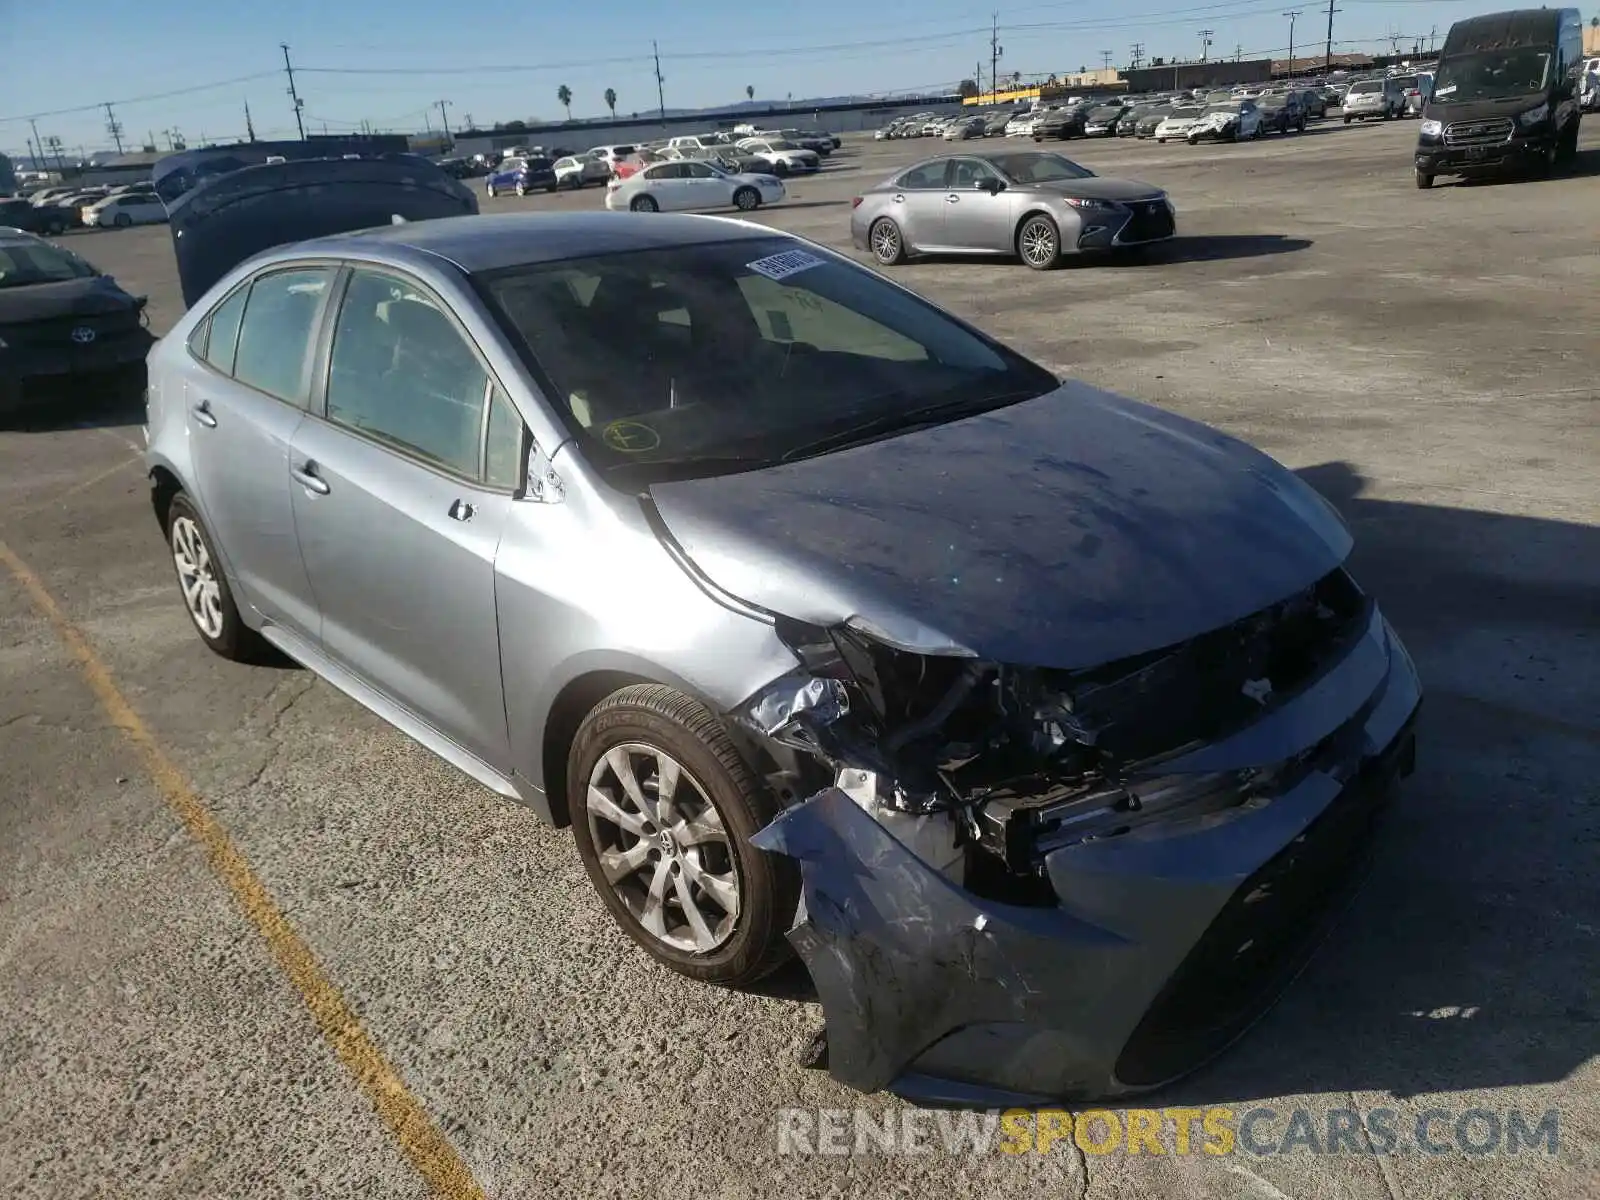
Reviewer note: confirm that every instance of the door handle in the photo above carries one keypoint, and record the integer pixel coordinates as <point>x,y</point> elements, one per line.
<point>460,510</point>
<point>202,413</point>
<point>952,199</point>
<point>899,199</point>
<point>306,476</point>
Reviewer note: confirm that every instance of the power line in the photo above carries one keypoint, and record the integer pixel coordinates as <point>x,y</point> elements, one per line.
<point>184,91</point>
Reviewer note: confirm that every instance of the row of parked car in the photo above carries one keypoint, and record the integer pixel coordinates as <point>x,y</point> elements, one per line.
<point>52,211</point>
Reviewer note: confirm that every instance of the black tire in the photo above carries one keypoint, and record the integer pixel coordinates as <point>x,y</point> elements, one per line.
<point>521,190</point>
<point>550,189</point>
<point>643,204</point>
<point>234,640</point>
<point>122,220</point>
<point>780,168</point>
<point>1424,180</point>
<point>672,723</point>
<point>489,191</point>
<point>1569,141</point>
<point>1041,226</point>
<point>887,242</point>
<point>1347,120</point>
<point>747,199</point>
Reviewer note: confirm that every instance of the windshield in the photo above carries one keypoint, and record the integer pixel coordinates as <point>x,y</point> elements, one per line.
<point>1038,168</point>
<point>22,265</point>
<point>1105,112</point>
<point>1491,75</point>
<point>1184,114</point>
<point>1232,108</point>
<point>706,359</point>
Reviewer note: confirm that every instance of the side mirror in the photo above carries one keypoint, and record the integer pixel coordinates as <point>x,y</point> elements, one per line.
<point>990,184</point>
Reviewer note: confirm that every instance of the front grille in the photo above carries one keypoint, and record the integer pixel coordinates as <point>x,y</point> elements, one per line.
<point>1150,220</point>
<point>1264,934</point>
<point>56,332</point>
<point>1479,133</point>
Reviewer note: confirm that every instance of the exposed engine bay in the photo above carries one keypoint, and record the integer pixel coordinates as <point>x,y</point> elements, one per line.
<point>981,768</point>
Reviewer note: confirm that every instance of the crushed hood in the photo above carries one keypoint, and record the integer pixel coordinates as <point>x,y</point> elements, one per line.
<point>1066,531</point>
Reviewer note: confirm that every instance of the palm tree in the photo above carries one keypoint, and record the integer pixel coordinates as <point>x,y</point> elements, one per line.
<point>564,94</point>
<point>611,102</point>
<point>749,91</point>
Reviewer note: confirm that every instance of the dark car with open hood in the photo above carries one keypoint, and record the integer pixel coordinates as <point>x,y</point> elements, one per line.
<point>68,333</point>
<point>772,579</point>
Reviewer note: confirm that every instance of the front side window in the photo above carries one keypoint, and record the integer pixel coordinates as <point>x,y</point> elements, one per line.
<point>711,358</point>
<point>929,175</point>
<point>403,374</point>
<point>1036,167</point>
<point>275,333</point>
<point>966,172</point>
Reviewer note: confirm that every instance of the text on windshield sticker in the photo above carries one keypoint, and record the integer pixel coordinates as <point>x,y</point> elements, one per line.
<point>781,266</point>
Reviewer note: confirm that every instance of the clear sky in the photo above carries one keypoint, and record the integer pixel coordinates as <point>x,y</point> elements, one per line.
<point>192,65</point>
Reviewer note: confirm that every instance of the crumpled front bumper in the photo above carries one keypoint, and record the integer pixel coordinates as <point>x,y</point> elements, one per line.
<point>1167,943</point>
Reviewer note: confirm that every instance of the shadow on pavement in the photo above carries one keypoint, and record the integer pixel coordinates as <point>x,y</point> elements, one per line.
<point>1217,247</point>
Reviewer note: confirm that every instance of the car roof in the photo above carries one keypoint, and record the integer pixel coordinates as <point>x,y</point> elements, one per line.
<point>487,243</point>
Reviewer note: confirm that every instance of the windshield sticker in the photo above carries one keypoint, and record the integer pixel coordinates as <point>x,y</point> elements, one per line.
<point>781,266</point>
<point>1445,91</point>
<point>630,437</point>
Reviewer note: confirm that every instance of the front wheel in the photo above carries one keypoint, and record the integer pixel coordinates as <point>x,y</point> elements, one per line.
<point>1039,243</point>
<point>204,586</point>
<point>550,188</point>
<point>1424,180</point>
<point>122,220</point>
<point>747,199</point>
<point>644,204</point>
<point>490,192</point>
<point>888,247</point>
<point>1347,120</point>
<point>521,190</point>
<point>663,809</point>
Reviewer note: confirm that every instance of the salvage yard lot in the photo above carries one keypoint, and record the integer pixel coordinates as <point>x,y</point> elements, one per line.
<point>1429,360</point>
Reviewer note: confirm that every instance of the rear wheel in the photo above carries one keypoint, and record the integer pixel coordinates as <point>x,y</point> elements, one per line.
<point>663,808</point>
<point>747,199</point>
<point>490,192</point>
<point>122,220</point>
<point>1347,120</point>
<point>888,247</point>
<point>644,204</point>
<point>204,586</point>
<point>1039,243</point>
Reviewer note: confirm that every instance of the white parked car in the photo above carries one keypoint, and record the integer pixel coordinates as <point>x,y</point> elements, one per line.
<point>611,155</point>
<point>1022,125</point>
<point>1178,122</point>
<point>577,172</point>
<point>783,157</point>
<point>689,184</point>
<point>137,208</point>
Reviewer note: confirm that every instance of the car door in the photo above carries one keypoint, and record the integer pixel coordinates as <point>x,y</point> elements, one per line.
<point>705,188</point>
<point>917,204</point>
<point>399,514</point>
<point>246,393</point>
<point>976,218</point>
<point>669,184</point>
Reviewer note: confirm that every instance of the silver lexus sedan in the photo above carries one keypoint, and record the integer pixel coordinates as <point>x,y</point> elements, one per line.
<point>1033,204</point>
<point>1046,726</point>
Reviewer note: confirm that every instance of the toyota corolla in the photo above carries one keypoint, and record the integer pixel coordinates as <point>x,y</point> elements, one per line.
<point>1048,727</point>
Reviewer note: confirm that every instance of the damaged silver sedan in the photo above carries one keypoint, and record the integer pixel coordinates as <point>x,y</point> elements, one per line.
<point>1047,726</point>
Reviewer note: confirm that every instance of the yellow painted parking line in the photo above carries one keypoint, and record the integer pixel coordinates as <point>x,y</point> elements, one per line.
<point>83,485</point>
<point>423,1145</point>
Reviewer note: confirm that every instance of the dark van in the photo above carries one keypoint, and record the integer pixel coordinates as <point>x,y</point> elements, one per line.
<point>1505,95</point>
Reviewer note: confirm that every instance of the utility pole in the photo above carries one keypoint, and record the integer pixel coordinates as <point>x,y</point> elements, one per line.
<point>444,120</point>
<point>293,95</point>
<point>1291,14</point>
<point>1135,56</point>
<point>995,51</point>
<point>114,128</point>
<point>1238,51</point>
<point>1105,60</point>
<point>249,125</point>
<point>1205,44</point>
<point>37,152</point>
<point>1327,57</point>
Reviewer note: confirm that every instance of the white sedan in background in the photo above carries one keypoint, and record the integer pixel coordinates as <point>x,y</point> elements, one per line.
<point>138,208</point>
<point>576,171</point>
<point>670,186</point>
<point>783,156</point>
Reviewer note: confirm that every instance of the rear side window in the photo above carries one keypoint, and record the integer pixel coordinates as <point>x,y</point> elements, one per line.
<point>275,335</point>
<point>402,373</point>
<point>223,338</point>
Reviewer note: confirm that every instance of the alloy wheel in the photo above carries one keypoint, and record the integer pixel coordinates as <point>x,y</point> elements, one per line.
<point>1037,243</point>
<point>663,848</point>
<point>197,577</point>
<point>886,241</point>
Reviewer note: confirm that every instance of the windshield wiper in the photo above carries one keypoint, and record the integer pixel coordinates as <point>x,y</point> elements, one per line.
<point>901,421</point>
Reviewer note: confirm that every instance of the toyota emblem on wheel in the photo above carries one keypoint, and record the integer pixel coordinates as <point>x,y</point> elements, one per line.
<point>83,335</point>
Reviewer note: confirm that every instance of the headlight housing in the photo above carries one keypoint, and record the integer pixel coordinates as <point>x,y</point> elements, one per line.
<point>1089,204</point>
<point>1533,116</point>
<point>1431,128</point>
